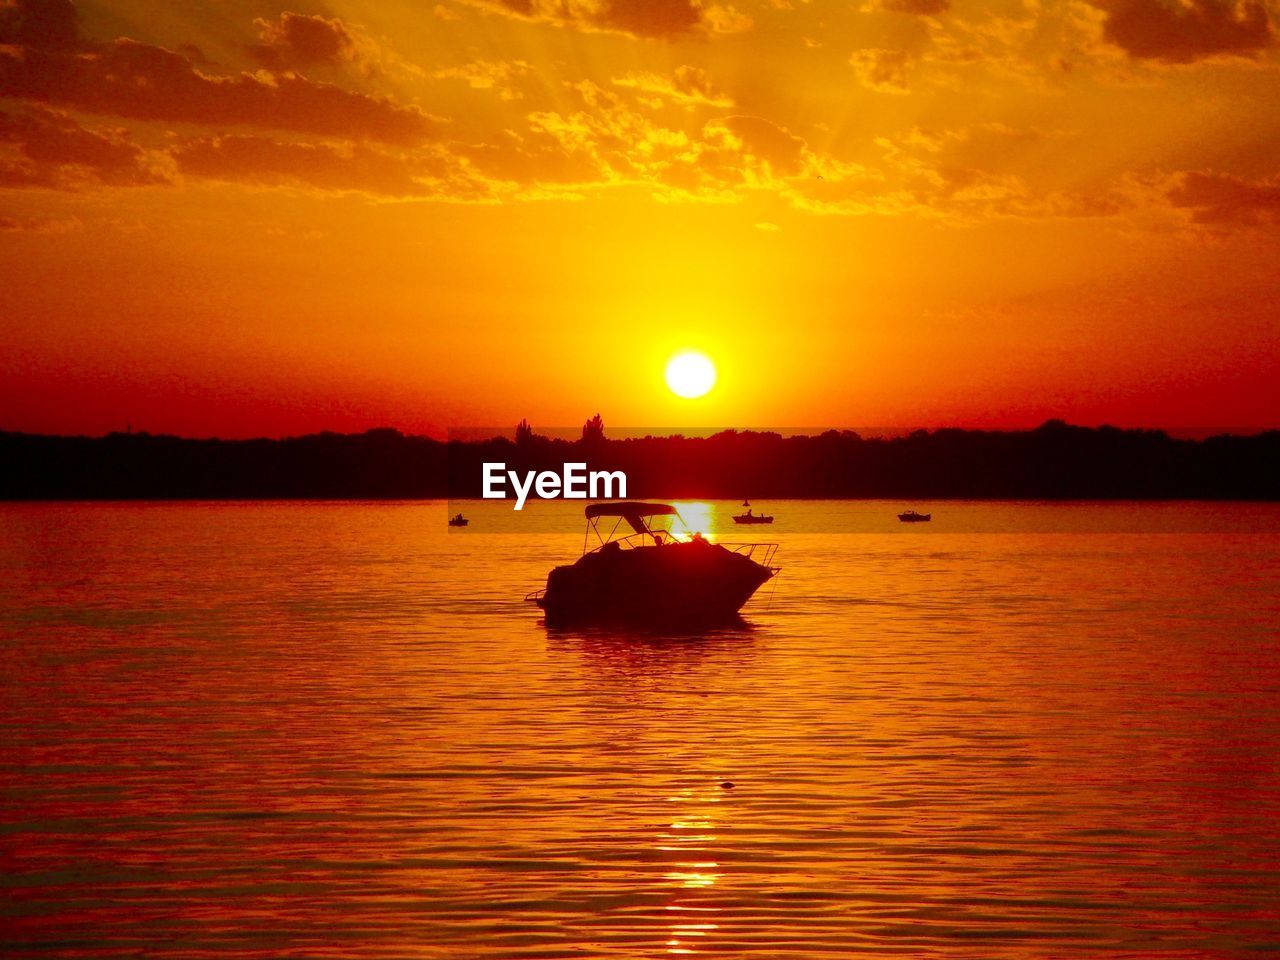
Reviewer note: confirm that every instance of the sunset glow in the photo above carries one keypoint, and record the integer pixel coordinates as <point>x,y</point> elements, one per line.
<point>268,220</point>
<point>511,479</point>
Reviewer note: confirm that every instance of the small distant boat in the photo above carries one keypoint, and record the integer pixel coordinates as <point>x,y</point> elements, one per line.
<point>912,517</point>
<point>643,573</point>
<point>750,517</point>
<point>458,521</point>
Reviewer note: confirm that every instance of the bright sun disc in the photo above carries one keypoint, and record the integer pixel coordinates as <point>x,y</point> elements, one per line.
<point>690,374</point>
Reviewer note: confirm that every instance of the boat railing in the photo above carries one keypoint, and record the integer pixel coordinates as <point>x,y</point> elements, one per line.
<point>761,553</point>
<point>533,596</point>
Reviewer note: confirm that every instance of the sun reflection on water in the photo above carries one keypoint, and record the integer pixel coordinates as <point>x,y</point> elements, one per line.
<point>690,836</point>
<point>699,516</point>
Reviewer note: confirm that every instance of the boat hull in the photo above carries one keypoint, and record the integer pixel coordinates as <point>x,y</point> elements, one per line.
<point>678,583</point>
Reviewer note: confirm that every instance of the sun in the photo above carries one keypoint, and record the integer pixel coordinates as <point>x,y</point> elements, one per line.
<point>690,374</point>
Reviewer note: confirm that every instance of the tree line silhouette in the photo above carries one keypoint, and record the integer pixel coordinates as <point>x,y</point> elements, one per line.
<point>1054,461</point>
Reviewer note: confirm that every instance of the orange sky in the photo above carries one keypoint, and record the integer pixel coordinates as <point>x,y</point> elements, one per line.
<point>242,218</point>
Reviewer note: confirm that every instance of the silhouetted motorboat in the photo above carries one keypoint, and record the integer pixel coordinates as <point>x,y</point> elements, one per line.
<point>750,517</point>
<point>652,575</point>
<point>912,517</point>
<point>458,521</point>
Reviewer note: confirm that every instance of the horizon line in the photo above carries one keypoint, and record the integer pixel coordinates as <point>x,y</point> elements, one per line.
<point>479,434</point>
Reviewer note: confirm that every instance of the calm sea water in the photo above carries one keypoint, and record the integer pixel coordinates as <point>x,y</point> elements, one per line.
<point>334,730</point>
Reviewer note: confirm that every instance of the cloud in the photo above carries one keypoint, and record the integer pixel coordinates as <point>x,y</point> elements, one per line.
<point>1029,42</point>
<point>299,40</point>
<point>1188,30</point>
<point>46,225</point>
<point>1222,199</point>
<point>723,18</point>
<point>690,86</point>
<point>503,77</point>
<point>919,8</point>
<point>41,148</point>
<point>383,149</point>
<point>143,82</point>
<point>548,156</point>
<point>609,142</point>
<point>669,130</point>
<point>263,161</point>
<point>651,18</point>
<point>963,175</point>
<point>39,24</point>
<point>762,140</point>
<point>884,71</point>
<point>648,19</point>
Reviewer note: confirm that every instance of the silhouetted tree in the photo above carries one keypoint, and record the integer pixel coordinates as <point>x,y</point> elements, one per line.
<point>524,432</point>
<point>593,429</point>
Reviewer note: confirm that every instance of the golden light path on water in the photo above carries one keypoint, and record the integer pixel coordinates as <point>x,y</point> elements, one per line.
<point>691,835</point>
<point>699,516</point>
<point>287,729</point>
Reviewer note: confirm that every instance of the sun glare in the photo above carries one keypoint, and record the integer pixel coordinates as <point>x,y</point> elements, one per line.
<point>690,374</point>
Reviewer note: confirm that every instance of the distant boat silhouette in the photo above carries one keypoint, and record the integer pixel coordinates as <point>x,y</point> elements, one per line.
<point>750,517</point>
<point>458,521</point>
<point>652,575</point>
<point>912,517</point>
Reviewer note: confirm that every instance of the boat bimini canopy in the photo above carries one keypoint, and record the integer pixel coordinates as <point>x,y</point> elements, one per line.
<point>635,512</point>
<point>629,509</point>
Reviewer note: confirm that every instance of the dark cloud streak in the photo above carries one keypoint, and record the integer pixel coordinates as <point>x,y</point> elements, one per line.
<point>40,24</point>
<point>1184,33</point>
<point>1221,199</point>
<point>42,148</point>
<point>139,81</point>
<point>267,162</point>
<point>298,40</point>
